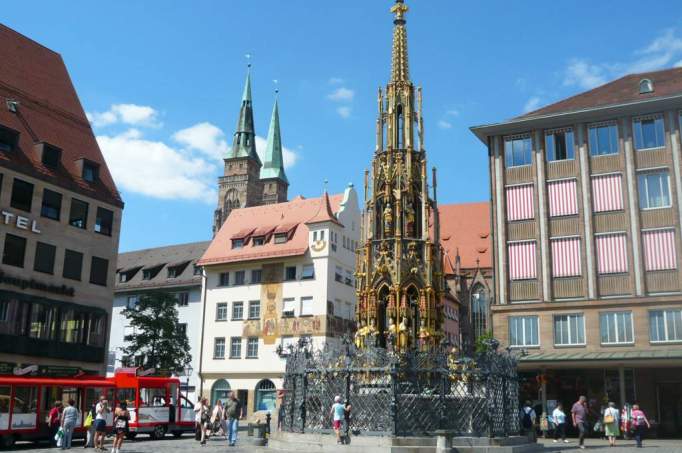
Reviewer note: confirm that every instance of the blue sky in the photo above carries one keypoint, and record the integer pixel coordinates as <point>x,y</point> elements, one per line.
<point>162,80</point>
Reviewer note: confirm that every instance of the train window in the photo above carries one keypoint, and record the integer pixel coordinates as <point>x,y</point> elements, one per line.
<point>154,397</point>
<point>4,406</point>
<point>92,395</point>
<point>25,407</point>
<point>127,395</point>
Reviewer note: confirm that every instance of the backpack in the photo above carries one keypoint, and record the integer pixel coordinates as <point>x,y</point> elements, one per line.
<point>527,421</point>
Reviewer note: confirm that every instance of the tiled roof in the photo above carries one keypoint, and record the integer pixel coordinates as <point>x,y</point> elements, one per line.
<point>465,229</point>
<point>324,212</point>
<point>172,255</point>
<point>667,82</point>
<point>293,214</point>
<point>602,356</point>
<point>49,111</point>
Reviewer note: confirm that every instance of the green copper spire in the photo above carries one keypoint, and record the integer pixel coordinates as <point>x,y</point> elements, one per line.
<point>273,167</point>
<point>244,143</point>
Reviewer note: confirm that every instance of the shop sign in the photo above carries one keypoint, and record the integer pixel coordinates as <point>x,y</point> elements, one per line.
<point>19,369</point>
<point>25,283</point>
<point>21,222</point>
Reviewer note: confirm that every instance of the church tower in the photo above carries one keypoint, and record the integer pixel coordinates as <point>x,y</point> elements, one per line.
<point>240,187</point>
<point>274,180</point>
<point>400,280</point>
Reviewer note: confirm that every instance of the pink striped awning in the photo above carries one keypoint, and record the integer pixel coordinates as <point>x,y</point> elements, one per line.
<point>563,199</point>
<point>607,192</point>
<point>522,260</point>
<point>659,250</point>
<point>612,257</point>
<point>520,202</point>
<point>565,257</point>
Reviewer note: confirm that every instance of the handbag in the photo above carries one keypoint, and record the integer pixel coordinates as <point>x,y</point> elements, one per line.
<point>88,421</point>
<point>609,418</point>
<point>59,437</point>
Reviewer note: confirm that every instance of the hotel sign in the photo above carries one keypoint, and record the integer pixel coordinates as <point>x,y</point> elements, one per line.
<point>21,222</point>
<point>24,283</point>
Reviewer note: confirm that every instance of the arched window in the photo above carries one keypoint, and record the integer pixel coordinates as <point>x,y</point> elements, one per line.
<point>400,130</point>
<point>220,391</point>
<point>646,86</point>
<point>266,395</point>
<point>479,310</point>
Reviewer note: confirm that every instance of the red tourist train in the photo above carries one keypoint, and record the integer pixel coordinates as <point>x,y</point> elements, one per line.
<point>155,403</point>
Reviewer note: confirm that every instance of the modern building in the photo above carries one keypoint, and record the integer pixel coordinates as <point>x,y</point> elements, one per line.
<point>172,269</point>
<point>586,221</point>
<point>61,215</point>
<point>274,274</point>
<point>247,181</point>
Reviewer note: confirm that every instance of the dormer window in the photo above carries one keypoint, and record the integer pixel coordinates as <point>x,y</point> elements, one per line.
<point>150,272</point>
<point>280,238</point>
<point>172,272</point>
<point>8,139</point>
<point>51,156</point>
<point>258,240</point>
<point>646,86</point>
<point>90,171</point>
<point>237,243</point>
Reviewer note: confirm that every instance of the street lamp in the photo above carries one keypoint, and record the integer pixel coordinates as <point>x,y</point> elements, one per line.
<point>188,373</point>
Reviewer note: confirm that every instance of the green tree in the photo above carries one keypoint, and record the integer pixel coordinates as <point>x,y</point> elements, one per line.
<point>157,337</point>
<point>483,342</point>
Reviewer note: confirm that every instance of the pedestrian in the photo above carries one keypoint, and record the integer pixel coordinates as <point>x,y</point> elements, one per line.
<point>89,424</point>
<point>121,419</point>
<point>233,412</point>
<point>337,414</point>
<point>347,408</point>
<point>579,416</point>
<point>559,418</point>
<point>101,411</point>
<point>53,420</point>
<point>528,417</point>
<point>217,418</point>
<point>68,423</point>
<point>611,423</point>
<point>639,421</point>
<point>201,420</point>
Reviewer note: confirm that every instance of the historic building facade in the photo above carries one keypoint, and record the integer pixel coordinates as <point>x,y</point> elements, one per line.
<point>172,269</point>
<point>586,219</point>
<point>61,216</point>
<point>273,274</point>
<point>247,181</point>
<point>399,266</point>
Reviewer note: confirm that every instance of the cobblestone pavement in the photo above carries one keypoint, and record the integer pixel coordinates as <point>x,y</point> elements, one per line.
<point>622,446</point>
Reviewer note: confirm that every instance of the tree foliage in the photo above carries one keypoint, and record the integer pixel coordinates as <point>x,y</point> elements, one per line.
<point>157,337</point>
<point>483,342</point>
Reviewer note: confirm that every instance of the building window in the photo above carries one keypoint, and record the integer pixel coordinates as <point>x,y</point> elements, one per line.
<point>173,272</point>
<point>659,250</point>
<point>254,309</point>
<point>523,331</point>
<point>338,274</point>
<point>563,198</point>
<point>252,348</point>
<point>98,271</point>
<point>239,278</point>
<point>288,307</point>
<point>237,310</point>
<point>649,133</point>
<point>308,272</point>
<point>22,195</point>
<point>522,262</point>
<point>224,279</point>
<point>654,189</point>
<point>52,204</point>
<point>44,259</point>
<point>8,139</point>
<point>603,139</point>
<point>219,348</point>
<point>565,257</point>
<point>569,330</point>
<point>221,311</point>
<point>15,250</point>
<point>290,273</point>
<point>256,276</point>
<point>480,304</point>
<point>560,145</point>
<point>616,327</point>
<point>607,192</point>
<point>517,151</point>
<point>182,328</point>
<point>235,347</point>
<point>73,264</point>
<point>266,396</point>
<point>665,326</point>
<point>132,301</point>
<point>51,156</point>
<point>280,238</point>
<point>519,202</point>
<point>258,240</point>
<point>646,86</point>
<point>90,171</point>
<point>306,306</point>
<point>196,270</point>
<point>612,255</point>
<point>287,342</point>
<point>182,298</point>
<point>237,243</point>
<point>349,278</point>
<point>104,221</point>
<point>78,217</point>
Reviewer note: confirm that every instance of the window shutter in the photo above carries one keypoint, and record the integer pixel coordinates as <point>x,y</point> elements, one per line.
<point>659,250</point>
<point>563,198</point>
<point>522,264</point>
<point>520,202</point>
<point>611,253</point>
<point>607,193</point>
<point>565,257</point>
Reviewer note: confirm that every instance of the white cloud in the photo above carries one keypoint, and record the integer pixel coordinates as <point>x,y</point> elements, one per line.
<point>444,124</point>
<point>531,104</point>
<point>289,156</point>
<point>204,137</point>
<point>157,170</point>
<point>678,64</point>
<point>344,112</point>
<point>452,112</point>
<point>336,81</point>
<point>130,114</point>
<point>583,74</point>
<point>341,94</point>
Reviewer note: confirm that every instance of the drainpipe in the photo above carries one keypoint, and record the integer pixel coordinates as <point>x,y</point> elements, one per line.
<point>203,321</point>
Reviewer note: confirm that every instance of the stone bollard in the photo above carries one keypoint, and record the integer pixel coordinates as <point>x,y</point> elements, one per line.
<point>443,440</point>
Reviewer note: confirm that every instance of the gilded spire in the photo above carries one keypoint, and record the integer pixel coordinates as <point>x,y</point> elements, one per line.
<point>400,71</point>
<point>273,164</point>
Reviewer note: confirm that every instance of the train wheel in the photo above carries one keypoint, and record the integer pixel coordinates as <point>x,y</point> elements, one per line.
<point>177,434</point>
<point>159,432</point>
<point>130,435</point>
<point>7,441</point>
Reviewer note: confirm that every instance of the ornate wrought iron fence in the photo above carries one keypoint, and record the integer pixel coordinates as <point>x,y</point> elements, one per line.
<point>412,393</point>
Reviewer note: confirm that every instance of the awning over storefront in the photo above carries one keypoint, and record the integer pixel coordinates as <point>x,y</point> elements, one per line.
<point>601,356</point>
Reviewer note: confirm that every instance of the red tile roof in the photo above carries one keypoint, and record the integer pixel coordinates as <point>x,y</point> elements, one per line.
<point>324,212</point>
<point>49,111</point>
<point>465,229</point>
<point>293,214</point>
<point>667,82</point>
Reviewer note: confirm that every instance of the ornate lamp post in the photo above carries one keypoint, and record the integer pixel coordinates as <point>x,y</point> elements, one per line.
<point>188,372</point>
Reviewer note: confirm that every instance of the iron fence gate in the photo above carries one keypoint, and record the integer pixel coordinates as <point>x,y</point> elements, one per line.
<point>412,393</point>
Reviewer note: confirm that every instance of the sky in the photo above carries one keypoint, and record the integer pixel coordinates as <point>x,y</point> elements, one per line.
<point>162,80</point>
